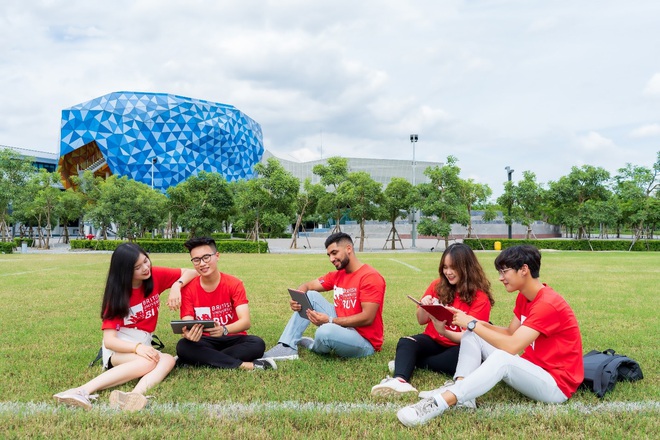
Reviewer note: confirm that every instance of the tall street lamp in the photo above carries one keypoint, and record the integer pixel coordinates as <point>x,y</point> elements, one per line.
<point>153,165</point>
<point>413,141</point>
<point>509,171</point>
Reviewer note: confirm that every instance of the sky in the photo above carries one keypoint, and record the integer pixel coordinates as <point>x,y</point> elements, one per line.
<point>538,86</point>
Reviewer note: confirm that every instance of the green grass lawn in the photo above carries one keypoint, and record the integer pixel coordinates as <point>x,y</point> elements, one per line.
<point>50,331</point>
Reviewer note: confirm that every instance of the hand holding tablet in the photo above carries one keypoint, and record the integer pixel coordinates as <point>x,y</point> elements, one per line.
<point>302,299</point>
<point>178,325</point>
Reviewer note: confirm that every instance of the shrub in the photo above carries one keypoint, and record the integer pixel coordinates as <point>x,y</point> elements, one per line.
<point>7,247</point>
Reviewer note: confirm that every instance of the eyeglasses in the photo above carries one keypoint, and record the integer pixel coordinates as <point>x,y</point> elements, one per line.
<point>205,258</point>
<point>502,272</point>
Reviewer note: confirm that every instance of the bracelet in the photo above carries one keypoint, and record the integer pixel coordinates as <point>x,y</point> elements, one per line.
<point>135,349</point>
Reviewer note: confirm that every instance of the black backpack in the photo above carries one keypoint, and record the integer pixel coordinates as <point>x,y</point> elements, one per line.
<point>603,369</point>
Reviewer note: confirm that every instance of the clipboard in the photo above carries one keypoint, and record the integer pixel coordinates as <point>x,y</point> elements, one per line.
<point>438,311</point>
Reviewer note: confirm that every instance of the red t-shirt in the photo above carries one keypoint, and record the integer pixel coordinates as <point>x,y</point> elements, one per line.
<point>143,312</point>
<point>480,309</point>
<point>218,305</point>
<point>558,349</point>
<point>351,290</point>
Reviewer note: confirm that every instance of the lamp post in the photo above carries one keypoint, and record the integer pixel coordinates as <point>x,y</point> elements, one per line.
<point>153,165</point>
<point>509,171</point>
<point>413,141</point>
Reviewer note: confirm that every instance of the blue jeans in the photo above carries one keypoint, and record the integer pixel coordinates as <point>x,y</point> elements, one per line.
<point>344,341</point>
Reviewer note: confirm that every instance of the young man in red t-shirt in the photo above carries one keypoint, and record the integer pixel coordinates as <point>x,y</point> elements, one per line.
<point>352,326</point>
<point>544,329</point>
<point>219,297</point>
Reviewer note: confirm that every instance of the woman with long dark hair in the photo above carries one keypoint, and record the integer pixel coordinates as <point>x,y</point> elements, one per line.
<point>129,312</point>
<point>462,285</point>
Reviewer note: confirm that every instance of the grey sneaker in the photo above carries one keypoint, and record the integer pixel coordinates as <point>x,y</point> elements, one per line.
<point>429,393</point>
<point>127,401</point>
<point>306,342</point>
<point>264,364</point>
<point>421,412</point>
<point>281,353</point>
<point>76,397</point>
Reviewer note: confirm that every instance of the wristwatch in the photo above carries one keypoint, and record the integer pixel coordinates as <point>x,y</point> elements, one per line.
<point>225,332</point>
<point>472,324</point>
<point>329,319</point>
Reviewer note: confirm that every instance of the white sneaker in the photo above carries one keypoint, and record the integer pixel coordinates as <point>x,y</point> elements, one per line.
<point>390,366</point>
<point>422,411</point>
<point>76,397</point>
<point>429,393</point>
<point>389,387</point>
<point>469,404</point>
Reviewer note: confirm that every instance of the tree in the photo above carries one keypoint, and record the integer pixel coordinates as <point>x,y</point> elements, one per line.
<point>201,203</point>
<point>568,195</point>
<point>361,194</point>
<point>332,175</point>
<point>475,196</point>
<point>37,204</point>
<point>132,206</point>
<point>15,171</point>
<point>441,200</point>
<point>70,207</point>
<point>306,202</point>
<point>399,198</point>
<point>268,200</point>
<point>526,200</point>
<point>636,191</point>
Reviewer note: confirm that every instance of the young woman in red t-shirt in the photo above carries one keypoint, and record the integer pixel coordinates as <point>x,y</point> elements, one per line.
<point>130,312</point>
<point>462,285</point>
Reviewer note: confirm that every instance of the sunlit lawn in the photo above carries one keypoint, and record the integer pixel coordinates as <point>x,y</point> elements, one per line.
<point>50,331</point>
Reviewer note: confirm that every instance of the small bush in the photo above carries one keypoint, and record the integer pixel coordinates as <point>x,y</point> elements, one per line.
<point>7,247</point>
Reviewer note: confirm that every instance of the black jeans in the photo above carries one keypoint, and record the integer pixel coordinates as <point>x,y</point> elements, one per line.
<point>223,352</point>
<point>422,351</point>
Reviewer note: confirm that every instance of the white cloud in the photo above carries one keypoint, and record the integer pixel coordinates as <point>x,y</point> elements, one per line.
<point>594,142</point>
<point>653,86</point>
<point>646,131</point>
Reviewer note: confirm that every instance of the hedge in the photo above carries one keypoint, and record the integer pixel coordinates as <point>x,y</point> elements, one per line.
<point>173,246</point>
<point>18,241</point>
<point>7,247</point>
<point>567,244</point>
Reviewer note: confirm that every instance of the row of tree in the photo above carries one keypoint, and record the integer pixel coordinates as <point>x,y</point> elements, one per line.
<point>586,199</point>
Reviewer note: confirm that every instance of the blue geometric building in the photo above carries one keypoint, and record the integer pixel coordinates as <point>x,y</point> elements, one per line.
<point>158,139</point>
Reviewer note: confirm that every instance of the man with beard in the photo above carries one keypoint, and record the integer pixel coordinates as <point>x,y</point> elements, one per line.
<point>352,327</point>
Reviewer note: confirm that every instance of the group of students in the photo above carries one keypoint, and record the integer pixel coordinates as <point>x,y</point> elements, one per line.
<point>539,353</point>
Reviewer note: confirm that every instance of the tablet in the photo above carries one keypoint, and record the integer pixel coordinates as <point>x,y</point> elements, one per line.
<point>439,312</point>
<point>177,326</point>
<point>302,299</point>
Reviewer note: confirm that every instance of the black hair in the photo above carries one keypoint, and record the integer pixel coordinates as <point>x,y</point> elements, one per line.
<point>119,284</point>
<point>516,257</point>
<point>200,241</point>
<point>339,238</point>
